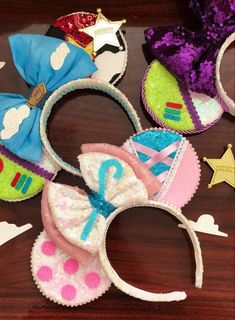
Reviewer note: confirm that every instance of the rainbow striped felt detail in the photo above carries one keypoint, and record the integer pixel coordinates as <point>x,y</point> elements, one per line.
<point>172,111</point>
<point>21,182</point>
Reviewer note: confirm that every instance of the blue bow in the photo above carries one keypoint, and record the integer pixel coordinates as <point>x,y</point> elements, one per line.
<point>97,200</point>
<point>45,63</point>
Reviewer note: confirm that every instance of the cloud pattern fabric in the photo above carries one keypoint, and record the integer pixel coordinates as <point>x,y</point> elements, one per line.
<point>39,60</point>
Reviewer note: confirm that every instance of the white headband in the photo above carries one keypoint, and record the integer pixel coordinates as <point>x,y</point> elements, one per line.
<point>230,104</point>
<point>72,86</point>
<point>142,294</point>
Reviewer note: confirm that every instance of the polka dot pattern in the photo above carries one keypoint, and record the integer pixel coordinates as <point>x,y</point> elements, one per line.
<point>44,273</point>
<point>62,278</point>
<point>71,266</point>
<point>48,248</point>
<point>92,280</point>
<point>68,292</point>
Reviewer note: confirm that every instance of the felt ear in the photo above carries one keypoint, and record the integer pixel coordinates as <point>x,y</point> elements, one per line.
<point>186,180</point>
<point>63,279</point>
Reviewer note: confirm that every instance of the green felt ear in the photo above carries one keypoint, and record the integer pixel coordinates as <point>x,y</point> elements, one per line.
<point>16,182</point>
<point>161,92</point>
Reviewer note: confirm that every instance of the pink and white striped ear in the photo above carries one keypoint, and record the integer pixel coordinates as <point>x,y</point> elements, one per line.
<point>172,159</point>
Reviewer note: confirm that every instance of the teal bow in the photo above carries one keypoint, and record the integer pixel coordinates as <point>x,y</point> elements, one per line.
<point>97,199</point>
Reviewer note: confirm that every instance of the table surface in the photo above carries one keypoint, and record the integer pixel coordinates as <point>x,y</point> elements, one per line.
<point>161,258</point>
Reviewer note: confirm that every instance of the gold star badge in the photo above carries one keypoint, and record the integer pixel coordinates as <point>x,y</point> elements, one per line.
<point>224,168</point>
<point>104,32</point>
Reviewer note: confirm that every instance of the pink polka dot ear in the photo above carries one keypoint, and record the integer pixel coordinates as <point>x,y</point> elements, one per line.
<point>64,279</point>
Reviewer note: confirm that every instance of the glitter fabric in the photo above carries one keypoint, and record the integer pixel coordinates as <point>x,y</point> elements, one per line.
<point>190,55</point>
<point>62,278</point>
<point>173,161</point>
<point>100,204</point>
<point>73,210</point>
<point>157,140</point>
<point>114,177</point>
<point>172,105</point>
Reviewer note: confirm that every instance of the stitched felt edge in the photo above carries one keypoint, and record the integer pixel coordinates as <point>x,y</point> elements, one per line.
<point>159,122</point>
<point>93,84</point>
<point>184,143</point>
<point>142,294</point>
<point>44,293</point>
<point>31,166</point>
<point>29,197</point>
<point>126,60</point>
<point>229,103</point>
<point>189,144</point>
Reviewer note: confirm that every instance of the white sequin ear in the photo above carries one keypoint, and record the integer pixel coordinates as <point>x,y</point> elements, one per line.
<point>63,279</point>
<point>59,55</point>
<point>12,121</point>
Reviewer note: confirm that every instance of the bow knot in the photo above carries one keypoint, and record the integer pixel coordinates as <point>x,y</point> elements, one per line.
<point>38,96</point>
<point>81,218</point>
<point>97,200</point>
<point>101,204</point>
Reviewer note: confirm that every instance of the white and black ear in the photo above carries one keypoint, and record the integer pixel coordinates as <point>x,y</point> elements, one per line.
<point>111,61</point>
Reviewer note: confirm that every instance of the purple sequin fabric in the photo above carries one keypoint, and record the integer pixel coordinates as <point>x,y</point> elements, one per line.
<point>190,55</point>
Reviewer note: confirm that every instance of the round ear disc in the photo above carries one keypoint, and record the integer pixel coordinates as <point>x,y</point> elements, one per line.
<point>175,107</point>
<point>22,179</point>
<point>64,279</point>
<point>172,159</point>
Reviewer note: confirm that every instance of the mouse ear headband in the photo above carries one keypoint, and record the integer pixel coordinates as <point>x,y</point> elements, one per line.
<point>179,88</point>
<point>76,222</point>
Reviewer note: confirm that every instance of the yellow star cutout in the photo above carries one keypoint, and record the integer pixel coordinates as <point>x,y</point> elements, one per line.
<point>224,168</point>
<point>104,32</point>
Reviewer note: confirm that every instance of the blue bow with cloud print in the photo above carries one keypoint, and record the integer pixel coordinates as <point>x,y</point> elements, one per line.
<point>45,63</point>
